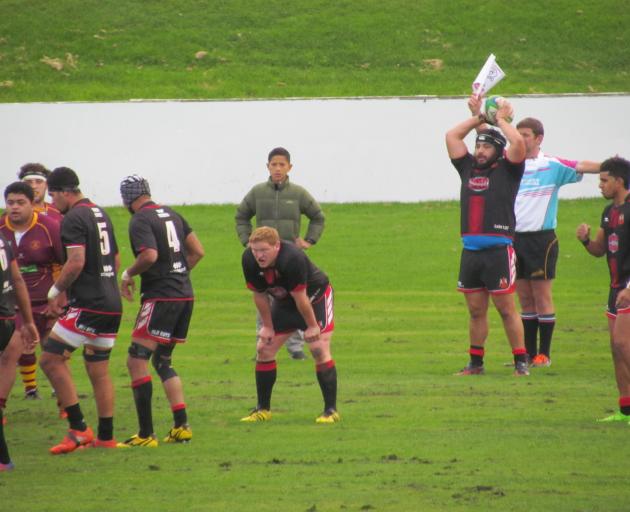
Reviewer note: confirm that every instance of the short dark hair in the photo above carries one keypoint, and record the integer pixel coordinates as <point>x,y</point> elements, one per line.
<point>33,170</point>
<point>19,187</point>
<point>533,124</point>
<point>279,152</point>
<point>63,179</point>
<point>617,167</point>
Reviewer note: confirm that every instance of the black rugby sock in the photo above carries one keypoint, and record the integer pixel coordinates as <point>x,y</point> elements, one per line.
<point>266,372</point>
<point>142,395</point>
<point>476,355</point>
<point>106,429</point>
<point>530,326</point>
<point>4,450</point>
<point>75,417</point>
<point>327,378</point>
<point>180,416</point>
<point>546,325</point>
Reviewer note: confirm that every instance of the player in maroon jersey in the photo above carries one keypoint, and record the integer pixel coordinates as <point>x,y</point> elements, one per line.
<point>613,241</point>
<point>36,244</point>
<point>490,181</point>
<point>165,250</point>
<point>94,310</point>
<point>35,175</point>
<point>10,350</point>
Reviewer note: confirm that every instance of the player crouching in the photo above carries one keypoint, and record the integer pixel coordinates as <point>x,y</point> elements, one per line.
<point>303,299</point>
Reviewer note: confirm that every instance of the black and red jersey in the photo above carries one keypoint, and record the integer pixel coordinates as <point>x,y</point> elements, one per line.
<point>87,225</point>
<point>292,271</point>
<point>487,199</point>
<point>616,225</point>
<point>164,230</point>
<point>7,303</point>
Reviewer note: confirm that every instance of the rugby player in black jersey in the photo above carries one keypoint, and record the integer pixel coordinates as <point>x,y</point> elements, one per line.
<point>613,240</point>
<point>166,250</point>
<point>303,299</point>
<point>93,315</point>
<point>490,180</point>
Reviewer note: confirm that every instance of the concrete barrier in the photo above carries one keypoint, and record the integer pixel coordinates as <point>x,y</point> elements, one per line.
<point>364,149</point>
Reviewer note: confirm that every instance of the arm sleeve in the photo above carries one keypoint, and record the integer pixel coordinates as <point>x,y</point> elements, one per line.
<point>73,232</point>
<point>297,272</point>
<point>244,213</point>
<point>310,207</point>
<point>460,163</point>
<point>252,279</point>
<point>567,173</point>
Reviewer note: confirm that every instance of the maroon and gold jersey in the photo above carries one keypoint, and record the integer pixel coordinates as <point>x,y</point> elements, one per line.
<point>49,210</point>
<point>37,250</point>
<point>616,225</point>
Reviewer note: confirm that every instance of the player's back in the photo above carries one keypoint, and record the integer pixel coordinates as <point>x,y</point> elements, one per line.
<point>163,229</point>
<point>96,288</point>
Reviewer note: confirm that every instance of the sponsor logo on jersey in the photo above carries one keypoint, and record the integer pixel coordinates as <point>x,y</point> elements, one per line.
<point>35,244</point>
<point>479,184</point>
<point>613,243</point>
<point>277,292</point>
<point>108,271</point>
<point>501,226</point>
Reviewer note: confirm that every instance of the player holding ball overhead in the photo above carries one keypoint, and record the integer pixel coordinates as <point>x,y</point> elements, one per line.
<point>490,180</point>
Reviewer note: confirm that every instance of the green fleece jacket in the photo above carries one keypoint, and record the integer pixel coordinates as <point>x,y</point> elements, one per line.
<point>281,207</point>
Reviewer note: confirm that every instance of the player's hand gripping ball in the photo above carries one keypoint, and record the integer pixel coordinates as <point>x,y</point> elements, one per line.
<point>490,107</point>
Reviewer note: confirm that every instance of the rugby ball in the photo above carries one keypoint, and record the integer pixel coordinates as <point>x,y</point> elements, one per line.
<point>490,107</point>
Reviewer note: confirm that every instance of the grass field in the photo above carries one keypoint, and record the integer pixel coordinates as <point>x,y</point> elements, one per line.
<point>106,50</point>
<point>413,436</point>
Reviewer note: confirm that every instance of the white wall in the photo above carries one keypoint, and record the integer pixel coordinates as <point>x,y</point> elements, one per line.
<point>343,149</point>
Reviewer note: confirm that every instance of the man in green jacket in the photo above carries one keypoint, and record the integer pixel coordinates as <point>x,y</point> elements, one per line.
<point>280,204</point>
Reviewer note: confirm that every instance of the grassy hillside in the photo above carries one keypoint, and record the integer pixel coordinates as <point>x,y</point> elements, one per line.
<point>107,50</point>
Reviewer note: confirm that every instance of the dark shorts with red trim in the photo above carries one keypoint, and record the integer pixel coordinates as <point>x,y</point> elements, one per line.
<point>85,326</point>
<point>492,270</point>
<point>164,320</point>
<point>42,322</point>
<point>7,327</point>
<point>536,254</point>
<point>611,310</point>
<point>286,317</point>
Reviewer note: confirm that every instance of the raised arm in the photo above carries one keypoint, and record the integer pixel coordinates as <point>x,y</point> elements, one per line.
<point>455,144</point>
<point>516,151</point>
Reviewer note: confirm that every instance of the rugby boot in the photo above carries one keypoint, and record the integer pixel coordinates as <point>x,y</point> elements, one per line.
<point>110,443</point>
<point>521,369</point>
<point>472,369</point>
<point>136,440</point>
<point>618,416</point>
<point>541,361</point>
<point>181,434</point>
<point>9,466</point>
<point>257,415</point>
<point>72,441</point>
<point>328,416</point>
